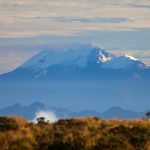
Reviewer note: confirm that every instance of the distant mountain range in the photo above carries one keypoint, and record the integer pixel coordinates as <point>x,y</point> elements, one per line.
<point>78,78</point>
<point>29,112</point>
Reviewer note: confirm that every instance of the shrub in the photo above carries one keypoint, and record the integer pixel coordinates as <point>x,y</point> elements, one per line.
<point>112,142</point>
<point>8,124</point>
<point>139,136</point>
<point>121,129</point>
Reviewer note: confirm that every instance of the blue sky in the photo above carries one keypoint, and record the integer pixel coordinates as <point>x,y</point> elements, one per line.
<point>29,26</point>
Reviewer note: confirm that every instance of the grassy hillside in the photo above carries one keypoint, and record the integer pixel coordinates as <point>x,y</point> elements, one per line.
<point>74,134</point>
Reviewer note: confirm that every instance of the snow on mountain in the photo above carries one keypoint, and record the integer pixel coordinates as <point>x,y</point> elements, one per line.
<point>77,57</point>
<point>123,62</point>
<point>105,56</point>
<point>131,57</point>
<point>81,57</point>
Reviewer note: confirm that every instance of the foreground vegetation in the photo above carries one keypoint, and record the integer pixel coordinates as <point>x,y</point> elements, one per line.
<point>74,134</point>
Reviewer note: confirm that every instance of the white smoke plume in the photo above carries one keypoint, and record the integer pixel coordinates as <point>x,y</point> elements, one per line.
<point>48,115</point>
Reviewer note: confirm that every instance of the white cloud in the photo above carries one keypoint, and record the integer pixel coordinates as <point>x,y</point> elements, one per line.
<point>35,17</point>
<point>48,115</point>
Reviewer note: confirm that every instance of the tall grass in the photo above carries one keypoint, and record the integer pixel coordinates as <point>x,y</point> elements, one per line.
<point>88,133</point>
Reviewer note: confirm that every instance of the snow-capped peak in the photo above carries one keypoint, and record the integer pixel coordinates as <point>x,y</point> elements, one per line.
<point>123,62</point>
<point>131,57</point>
<point>81,57</point>
<point>77,56</point>
<point>105,56</point>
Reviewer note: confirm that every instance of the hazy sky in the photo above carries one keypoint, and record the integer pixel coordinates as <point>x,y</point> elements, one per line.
<point>28,26</point>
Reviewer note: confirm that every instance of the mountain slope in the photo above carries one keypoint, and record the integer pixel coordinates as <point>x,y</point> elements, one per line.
<point>79,62</point>
<point>78,78</point>
<point>81,58</point>
<point>124,62</point>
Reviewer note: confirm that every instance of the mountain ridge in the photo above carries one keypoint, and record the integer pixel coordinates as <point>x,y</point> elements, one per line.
<point>79,63</point>
<point>80,58</point>
<point>74,87</point>
<point>29,112</point>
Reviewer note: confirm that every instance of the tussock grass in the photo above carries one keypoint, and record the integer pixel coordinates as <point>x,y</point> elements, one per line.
<point>89,133</point>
